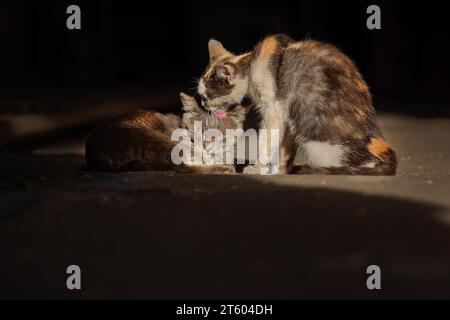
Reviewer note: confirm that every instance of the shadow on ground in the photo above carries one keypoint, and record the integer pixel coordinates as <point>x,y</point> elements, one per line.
<point>167,235</point>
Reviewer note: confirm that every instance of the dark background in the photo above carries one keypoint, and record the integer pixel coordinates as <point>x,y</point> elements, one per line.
<point>165,235</point>
<point>125,44</point>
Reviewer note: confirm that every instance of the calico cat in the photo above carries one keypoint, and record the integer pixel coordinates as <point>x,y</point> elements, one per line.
<point>312,93</point>
<point>142,140</point>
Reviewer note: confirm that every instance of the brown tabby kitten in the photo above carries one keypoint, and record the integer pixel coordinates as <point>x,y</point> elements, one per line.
<point>312,93</point>
<point>141,140</point>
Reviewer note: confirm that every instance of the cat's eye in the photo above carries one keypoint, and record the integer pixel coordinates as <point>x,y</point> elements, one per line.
<point>222,73</point>
<point>217,76</point>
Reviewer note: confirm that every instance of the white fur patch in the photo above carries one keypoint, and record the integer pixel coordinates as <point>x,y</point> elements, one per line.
<point>323,154</point>
<point>201,88</point>
<point>368,165</point>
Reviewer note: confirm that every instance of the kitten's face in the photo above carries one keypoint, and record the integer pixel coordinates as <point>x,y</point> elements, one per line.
<point>225,80</point>
<point>230,118</point>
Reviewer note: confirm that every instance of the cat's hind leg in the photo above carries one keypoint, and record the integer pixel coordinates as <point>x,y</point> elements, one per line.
<point>358,158</point>
<point>324,154</point>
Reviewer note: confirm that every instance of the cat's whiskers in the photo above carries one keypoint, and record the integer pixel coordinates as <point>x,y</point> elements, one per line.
<point>194,81</point>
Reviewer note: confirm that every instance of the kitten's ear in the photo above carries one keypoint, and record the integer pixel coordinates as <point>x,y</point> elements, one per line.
<point>189,103</point>
<point>216,50</point>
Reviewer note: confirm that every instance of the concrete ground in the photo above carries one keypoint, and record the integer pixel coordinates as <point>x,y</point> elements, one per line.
<point>167,235</point>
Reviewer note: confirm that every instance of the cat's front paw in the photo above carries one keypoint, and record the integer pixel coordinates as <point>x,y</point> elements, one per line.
<point>224,169</point>
<point>262,169</point>
<point>252,169</point>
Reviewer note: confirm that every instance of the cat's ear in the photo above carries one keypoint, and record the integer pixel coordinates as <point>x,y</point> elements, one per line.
<point>189,103</point>
<point>216,50</point>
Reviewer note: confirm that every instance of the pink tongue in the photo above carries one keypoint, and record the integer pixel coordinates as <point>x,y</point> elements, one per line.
<point>220,115</point>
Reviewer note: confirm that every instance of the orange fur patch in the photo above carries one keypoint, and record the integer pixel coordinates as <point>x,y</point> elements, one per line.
<point>268,47</point>
<point>378,147</point>
<point>296,45</point>
<point>362,86</point>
